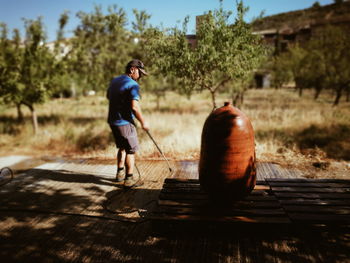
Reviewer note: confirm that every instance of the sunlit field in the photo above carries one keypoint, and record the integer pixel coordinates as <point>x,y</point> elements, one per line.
<point>288,129</point>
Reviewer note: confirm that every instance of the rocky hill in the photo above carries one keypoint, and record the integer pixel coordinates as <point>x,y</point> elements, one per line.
<point>316,15</point>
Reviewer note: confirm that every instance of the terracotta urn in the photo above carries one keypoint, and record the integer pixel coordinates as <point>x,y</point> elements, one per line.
<point>227,169</point>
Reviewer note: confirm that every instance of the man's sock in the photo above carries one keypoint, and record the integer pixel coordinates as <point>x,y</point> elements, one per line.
<point>129,175</point>
<point>119,176</point>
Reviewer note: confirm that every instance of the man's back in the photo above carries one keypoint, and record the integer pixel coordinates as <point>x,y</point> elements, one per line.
<point>121,91</point>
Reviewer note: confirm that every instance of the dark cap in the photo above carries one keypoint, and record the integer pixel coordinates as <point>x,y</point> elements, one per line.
<point>137,63</point>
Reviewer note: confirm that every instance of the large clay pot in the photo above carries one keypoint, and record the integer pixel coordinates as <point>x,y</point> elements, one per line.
<point>227,168</point>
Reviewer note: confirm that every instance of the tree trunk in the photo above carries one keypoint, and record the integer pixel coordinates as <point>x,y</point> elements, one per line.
<point>299,86</point>
<point>317,93</point>
<point>34,118</point>
<point>300,91</point>
<point>242,97</point>
<point>213,98</point>
<point>235,99</point>
<point>20,117</point>
<point>238,99</point>
<point>337,96</point>
<point>318,87</point>
<point>35,121</point>
<point>348,95</point>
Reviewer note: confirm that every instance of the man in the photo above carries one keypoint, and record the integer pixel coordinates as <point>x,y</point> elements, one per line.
<point>123,95</point>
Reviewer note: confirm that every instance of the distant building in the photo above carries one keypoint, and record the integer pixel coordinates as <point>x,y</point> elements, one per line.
<point>192,40</point>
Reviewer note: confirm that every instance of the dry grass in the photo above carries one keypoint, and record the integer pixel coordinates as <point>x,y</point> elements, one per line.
<point>289,130</point>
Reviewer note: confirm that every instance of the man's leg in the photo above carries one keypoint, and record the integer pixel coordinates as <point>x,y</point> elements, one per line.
<point>131,180</point>
<point>121,163</point>
<point>129,163</point>
<point>121,158</point>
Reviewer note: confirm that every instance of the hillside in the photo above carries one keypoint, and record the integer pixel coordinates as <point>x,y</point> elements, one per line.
<point>333,13</point>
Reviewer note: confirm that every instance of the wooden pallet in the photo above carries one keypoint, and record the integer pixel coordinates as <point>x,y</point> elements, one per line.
<point>314,201</point>
<point>276,202</point>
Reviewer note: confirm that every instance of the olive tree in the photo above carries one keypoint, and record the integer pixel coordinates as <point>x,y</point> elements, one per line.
<point>11,55</point>
<point>100,47</point>
<point>322,63</point>
<point>224,51</point>
<point>333,44</point>
<point>25,68</point>
<point>36,67</point>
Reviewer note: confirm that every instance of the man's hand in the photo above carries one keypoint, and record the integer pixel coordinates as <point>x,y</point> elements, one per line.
<point>145,126</point>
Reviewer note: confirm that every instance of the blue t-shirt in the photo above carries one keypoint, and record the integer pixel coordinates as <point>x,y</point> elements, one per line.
<point>120,93</point>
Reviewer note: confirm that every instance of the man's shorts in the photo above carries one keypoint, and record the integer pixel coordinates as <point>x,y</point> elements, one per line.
<point>125,137</point>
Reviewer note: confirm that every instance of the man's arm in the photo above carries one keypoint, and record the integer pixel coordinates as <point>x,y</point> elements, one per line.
<point>135,106</point>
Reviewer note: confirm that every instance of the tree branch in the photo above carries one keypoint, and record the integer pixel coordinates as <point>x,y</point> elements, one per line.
<point>221,83</point>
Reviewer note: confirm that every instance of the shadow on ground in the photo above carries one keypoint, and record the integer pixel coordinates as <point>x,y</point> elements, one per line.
<point>61,216</point>
<point>333,140</point>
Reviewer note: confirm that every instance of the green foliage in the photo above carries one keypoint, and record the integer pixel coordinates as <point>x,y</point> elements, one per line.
<point>223,52</point>
<point>37,64</point>
<point>280,72</point>
<point>100,47</point>
<point>331,50</point>
<point>25,68</point>
<point>322,63</point>
<point>11,56</point>
<point>61,81</point>
<point>316,5</point>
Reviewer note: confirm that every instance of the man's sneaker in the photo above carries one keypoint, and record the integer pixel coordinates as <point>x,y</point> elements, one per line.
<point>132,182</point>
<point>120,176</point>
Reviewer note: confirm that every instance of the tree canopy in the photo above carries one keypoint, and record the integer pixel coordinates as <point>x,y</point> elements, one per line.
<point>223,51</point>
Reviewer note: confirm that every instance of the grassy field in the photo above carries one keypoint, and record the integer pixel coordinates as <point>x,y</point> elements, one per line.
<point>289,130</point>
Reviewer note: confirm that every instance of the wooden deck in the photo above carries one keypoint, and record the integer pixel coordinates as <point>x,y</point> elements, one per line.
<point>72,211</point>
<point>282,203</point>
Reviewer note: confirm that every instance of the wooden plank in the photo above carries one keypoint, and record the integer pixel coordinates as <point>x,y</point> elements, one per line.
<point>198,191</point>
<point>300,198</point>
<point>243,204</point>
<point>310,190</point>
<point>175,196</point>
<point>309,184</point>
<point>261,171</point>
<point>276,171</point>
<point>195,181</point>
<point>197,186</point>
<point>264,171</point>
<point>338,210</point>
<point>201,211</point>
<point>183,190</point>
<point>180,180</point>
<point>187,194</point>
<point>232,219</point>
<point>318,218</point>
<point>180,185</point>
<point>303,180</point>
<point>314,202</point>
<point>313,195</point>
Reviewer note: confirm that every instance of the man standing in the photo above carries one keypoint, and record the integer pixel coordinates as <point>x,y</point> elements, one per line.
<point>123,95</point>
